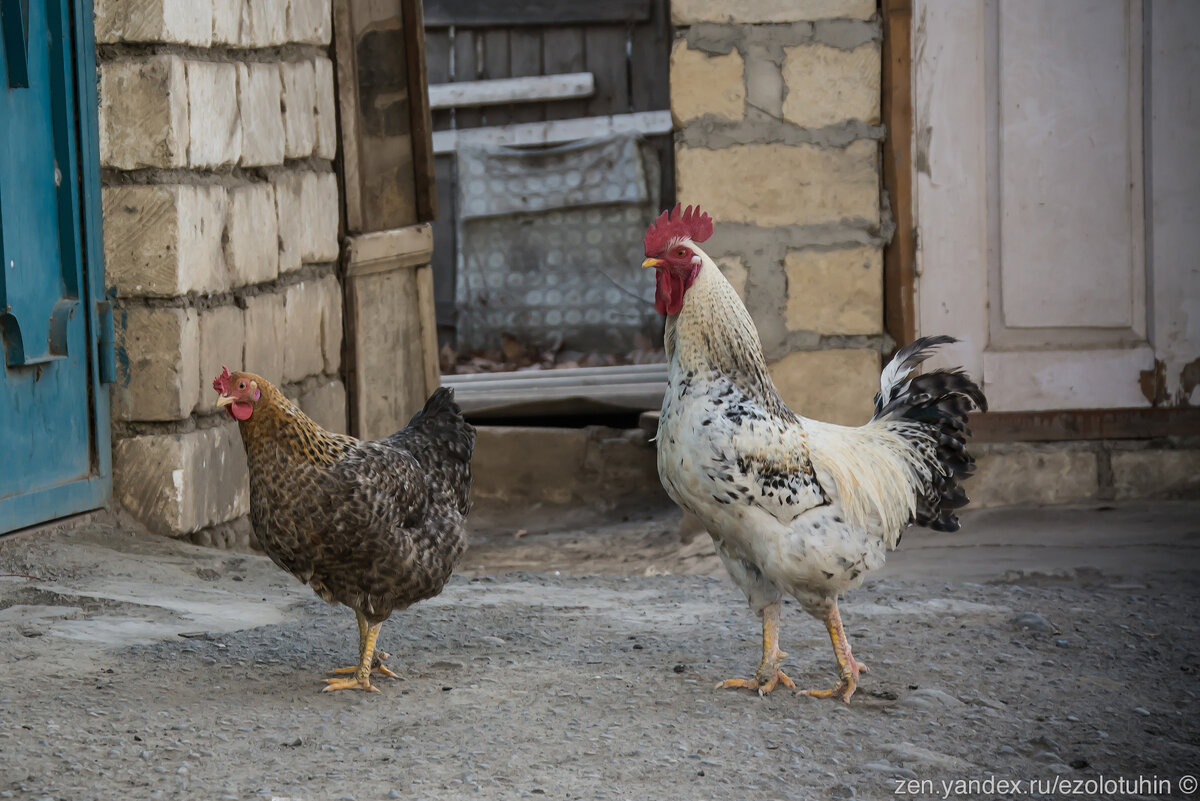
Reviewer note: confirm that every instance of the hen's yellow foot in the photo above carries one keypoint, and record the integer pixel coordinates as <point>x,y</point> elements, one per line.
<point>377,666</point>
<point>332,685</point>
<point>381,669</point>
<point>754,684</point>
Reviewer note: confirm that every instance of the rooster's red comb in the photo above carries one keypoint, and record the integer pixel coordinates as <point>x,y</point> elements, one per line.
<point>689,223</point>
<point>221,382</point>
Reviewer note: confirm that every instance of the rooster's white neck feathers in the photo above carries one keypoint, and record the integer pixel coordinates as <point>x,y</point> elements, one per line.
<point>714,332</point>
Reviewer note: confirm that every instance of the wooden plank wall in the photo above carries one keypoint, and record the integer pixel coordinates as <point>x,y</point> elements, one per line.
<point>624,43</point>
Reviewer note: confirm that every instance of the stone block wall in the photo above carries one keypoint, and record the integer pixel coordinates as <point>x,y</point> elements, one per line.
<point>776,105</point>
<point>220,209</point>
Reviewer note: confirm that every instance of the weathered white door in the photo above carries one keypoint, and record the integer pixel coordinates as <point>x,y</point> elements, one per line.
<point>1057,197</point>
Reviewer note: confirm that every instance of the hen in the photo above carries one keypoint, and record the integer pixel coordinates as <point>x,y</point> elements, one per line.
<point>376,526</point>
<point>793,505</point>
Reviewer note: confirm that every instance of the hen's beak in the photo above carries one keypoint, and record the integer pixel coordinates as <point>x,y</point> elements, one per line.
<point>223,401</point>
<point>653,263</point>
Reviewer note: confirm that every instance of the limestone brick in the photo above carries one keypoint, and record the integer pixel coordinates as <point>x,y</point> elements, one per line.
<point>252,240</point>
<point>222,342</point>
<point>776,184</point>
<point>327,141</point>
<point>319,217</point>
<point>764,82</point>
<point>302,354</point>
<point>177,484</point>
<point>164,240</point>
<point>299,102</point>
<point>143,113</point>
<point>160,355</point>
<point>265,328</point>
<point>835,292</point>
<point>688,12</point>
<point>264,23</point>
<point>1156,473</point>
<point>329,293</point>
<point>734,270</point>
<point>826,85</point>
<point>1031,477</point>
<point>703,84</point>
<point>837,386</point>
<point>187,22</point>
<point>288,212</point>
<point>214,125</point>
<point>259,94</point>
<point>504,471</point>
<point>325,403</point>
<point>309,21</point>
<point>227,22</point>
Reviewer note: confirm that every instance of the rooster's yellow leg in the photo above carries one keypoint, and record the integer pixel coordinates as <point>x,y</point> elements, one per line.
<point>848,666</point>
<point>362,675</point>
<point>377,665</point>
<point>768,675</point>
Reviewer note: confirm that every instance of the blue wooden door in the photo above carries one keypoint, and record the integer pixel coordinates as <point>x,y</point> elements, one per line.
<point>54,448</point>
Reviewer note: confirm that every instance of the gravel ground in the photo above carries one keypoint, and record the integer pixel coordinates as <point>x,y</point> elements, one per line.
<point>141,668</point>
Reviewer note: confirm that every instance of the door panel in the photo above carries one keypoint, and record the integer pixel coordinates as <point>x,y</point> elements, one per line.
<point>1069,127</point>
<point>1030,198</point>
<point>49,402</point>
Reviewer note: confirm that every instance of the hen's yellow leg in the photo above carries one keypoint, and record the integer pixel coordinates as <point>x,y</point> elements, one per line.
<point>377,665</point>
<point>768,676</point>
<point>362,675</point>
<point>848,666</point>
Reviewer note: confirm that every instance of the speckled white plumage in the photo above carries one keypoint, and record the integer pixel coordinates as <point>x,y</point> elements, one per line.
<point>793,505</point>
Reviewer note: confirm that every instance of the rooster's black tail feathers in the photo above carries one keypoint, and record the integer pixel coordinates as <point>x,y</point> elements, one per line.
<point>941,400</point>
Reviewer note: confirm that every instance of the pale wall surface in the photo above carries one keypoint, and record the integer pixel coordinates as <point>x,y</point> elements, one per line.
<point>217,135</point>
<point>776,107</point>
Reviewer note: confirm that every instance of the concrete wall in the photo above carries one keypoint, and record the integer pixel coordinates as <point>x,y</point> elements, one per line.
<point>217,138</point>
<point>777,110</point>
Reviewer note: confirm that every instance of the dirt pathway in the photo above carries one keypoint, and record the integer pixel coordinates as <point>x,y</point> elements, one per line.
<point>1043,645</point>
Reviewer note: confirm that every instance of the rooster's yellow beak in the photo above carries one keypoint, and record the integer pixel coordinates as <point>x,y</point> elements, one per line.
<point>223,401</point>
<point>653,263</point>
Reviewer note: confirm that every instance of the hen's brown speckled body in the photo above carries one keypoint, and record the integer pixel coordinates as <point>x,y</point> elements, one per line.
<point>376,526</point>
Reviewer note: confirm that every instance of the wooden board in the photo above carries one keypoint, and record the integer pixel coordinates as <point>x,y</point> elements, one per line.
<point>1080,424</point>
<point>420,115</point>
<point>495,65</point>
<point>556,132</point>
<point>476,13</point>
<point>528,89</point>
<point>900,253</point>
<point>612,74</point>
<point>525,59</point>
<point>562,51</point>
<point>375,97</point>
<point>390,324</point>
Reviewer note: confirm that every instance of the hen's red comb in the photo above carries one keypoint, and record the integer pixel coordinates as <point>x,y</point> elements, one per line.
<point>221,383</point>
<point>689,223</point>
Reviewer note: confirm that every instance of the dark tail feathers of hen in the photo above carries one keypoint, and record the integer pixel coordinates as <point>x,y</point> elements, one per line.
<point>940,400</point>
<point>442,421</point>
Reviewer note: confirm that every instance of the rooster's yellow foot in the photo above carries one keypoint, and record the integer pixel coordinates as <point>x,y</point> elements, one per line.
<point>332,685</point>
<point>763,687</point>
<point>845,688</point>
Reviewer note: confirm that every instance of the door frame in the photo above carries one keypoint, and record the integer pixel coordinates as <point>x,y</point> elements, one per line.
<point>82,120</point>
<point>899,272</point>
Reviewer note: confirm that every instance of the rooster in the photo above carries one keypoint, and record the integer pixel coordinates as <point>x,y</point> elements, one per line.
<point>793,505</point>
<point>376,526</point>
